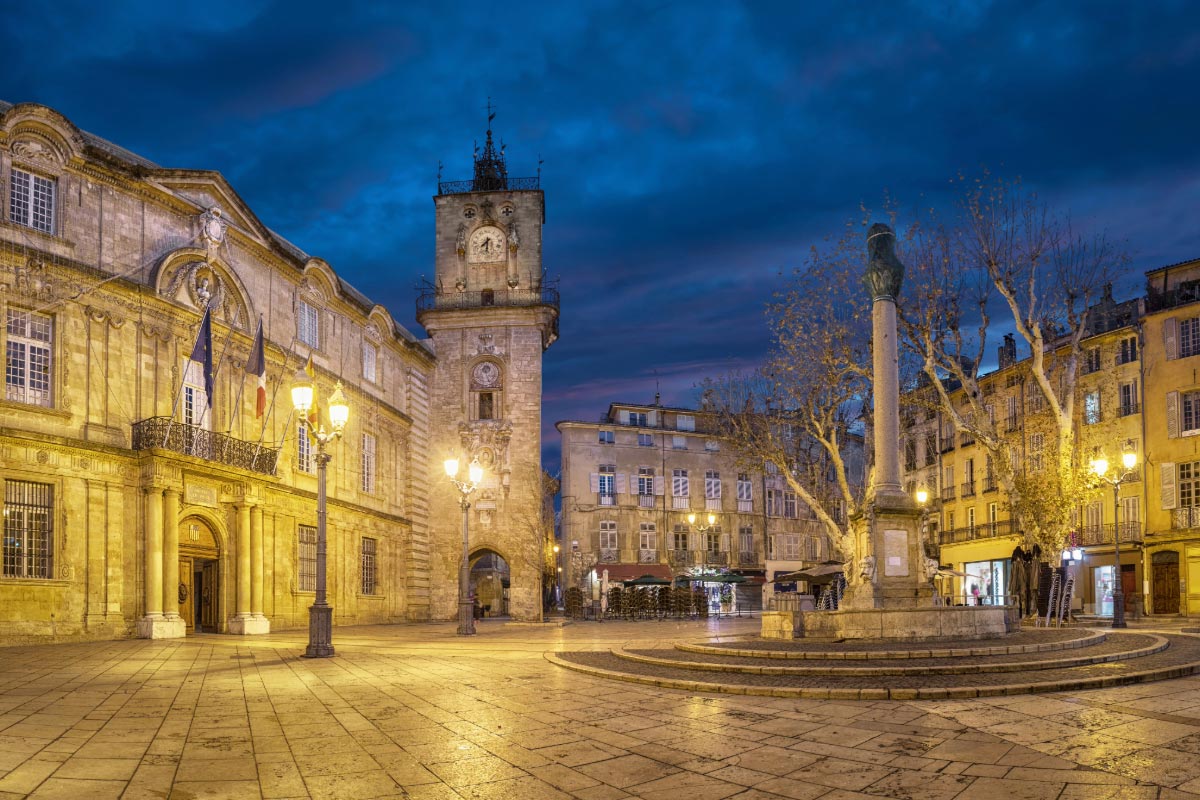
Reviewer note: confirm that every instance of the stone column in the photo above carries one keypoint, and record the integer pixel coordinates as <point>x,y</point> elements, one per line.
<point>243,621</point>
<point>257,557</point>
<point>150,626</point>
<point>170,593</point>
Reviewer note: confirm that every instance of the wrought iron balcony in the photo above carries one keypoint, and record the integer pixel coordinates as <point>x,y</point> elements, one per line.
<point>490,184</point>
<point>971,533</point>
<point>646,501</point>
<point>716,558</point>
<point>948,493</point>
<point>1099,535</point>
<point>545,293</point>
<point>608,555</point>
<point>647,556</point>
<point>1186,517</point>
<point>1127,409</point>
<point>679,558</point>
<point>989,483</point>
<point>968,489</point>
<point>168,434</point>
<point>747,559</point>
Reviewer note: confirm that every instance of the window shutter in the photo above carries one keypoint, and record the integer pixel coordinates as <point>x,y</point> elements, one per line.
<point>724,542</point>
<point>595,481</point>
<point>1171,337</point>
<point>1167,484</point>
<point>1172,417</point>
<point>622,488</point>
<point>652,419</point>
<point>623,417</point>
<point>659,485</point>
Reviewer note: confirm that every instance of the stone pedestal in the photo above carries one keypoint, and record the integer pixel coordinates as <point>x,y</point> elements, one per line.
<point>900,624</point>
<point>893,536</point>
<point>160,627</point>
<point>249,626</point>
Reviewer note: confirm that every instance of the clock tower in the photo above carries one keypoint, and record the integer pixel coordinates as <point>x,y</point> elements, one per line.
<point>490,314</point>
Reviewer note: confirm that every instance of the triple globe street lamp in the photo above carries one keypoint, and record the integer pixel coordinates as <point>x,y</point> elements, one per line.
<point>466,616</point>
<point>320,613</point>
<point>1100,468</point>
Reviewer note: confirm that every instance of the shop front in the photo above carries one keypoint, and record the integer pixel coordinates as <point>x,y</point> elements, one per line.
<point>985,582</point>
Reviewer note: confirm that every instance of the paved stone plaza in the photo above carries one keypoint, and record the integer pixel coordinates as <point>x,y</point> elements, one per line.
<point>415,711</point>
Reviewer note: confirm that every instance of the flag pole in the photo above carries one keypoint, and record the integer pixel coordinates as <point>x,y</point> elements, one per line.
<point>179,392</point>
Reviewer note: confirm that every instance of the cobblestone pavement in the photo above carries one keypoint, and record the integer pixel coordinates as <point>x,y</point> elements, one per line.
<point>415,711</point>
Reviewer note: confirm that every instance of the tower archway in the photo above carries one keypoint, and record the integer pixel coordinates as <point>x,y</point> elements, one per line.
<point>490,582</point>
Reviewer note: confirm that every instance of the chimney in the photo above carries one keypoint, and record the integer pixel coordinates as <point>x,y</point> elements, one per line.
<point>1008,351</point>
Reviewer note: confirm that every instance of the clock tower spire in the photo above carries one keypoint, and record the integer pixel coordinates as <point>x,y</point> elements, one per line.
<point>490,314</point>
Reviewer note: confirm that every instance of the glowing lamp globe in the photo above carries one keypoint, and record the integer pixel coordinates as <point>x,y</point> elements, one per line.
<point>339,409</point>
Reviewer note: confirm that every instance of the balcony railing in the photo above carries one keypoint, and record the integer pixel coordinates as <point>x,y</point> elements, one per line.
<point>168,434</point>
<point>679,558</point>
<point>1012,424</point>
<point>681,503</point>
<point>1128,409</point>
<point>490,184</point>
<point>712,504</point>
<point>747,559</point>
<point>608,555</point>
<point>948,493</point>
<point>545,294</point>
<point>968,489</point>
<point>606,499</point>
<point>645,501</point>
<point>647,556</point>
<point>716,558</point>
<point>745,506</point>
<point>1172,298</point>
<point>1184,518</point>
<point>971,533</point>
<point>1094,535</point>
<point>989,483</point>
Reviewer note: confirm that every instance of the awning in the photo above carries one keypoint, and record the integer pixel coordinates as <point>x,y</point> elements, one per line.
<point>627,572</point>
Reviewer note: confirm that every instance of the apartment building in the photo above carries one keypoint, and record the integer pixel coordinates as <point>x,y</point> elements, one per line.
<point>632,480</point>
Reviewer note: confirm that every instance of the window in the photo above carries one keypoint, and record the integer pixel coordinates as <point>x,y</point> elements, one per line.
<point>930,448</point>
<point>487,297</point>
<point>712,489</point>
<point>368,463</point>
<point>31,201</point>
<point>1091,408</point>
<point>645,440</point>
<point>712,540</point>
<point>368,565</point>
<point>774,502</point>
<point>28,357</point>
<point>28,530</point>
<point>971,518</point>
<point>910,454</point>
<point>685,422</point>
<point>993,513</point>
<point>607,437</point>
<point>1191,412</point>
<point>679,442</point>
<point>1189,485</point>
<point>608,535</point>
<point>1127,351</point>
<point>306,569</point>
<point>1127,395</point>
<point>607,484</point>
<point>304,453</point>
<point>949,520</point>
<point>1093,515</point>
<point>645,484</point>
<point>1091,360</point>
<point>648,537</point>
<point>789,504</point>
<point>746,540</point>
<point>679,488</point>
<point>1189,337</point>
<point>712,445</point>
<point>1130,515</point>
<point>745,493</point>
<point>369,356</point>
<point>1012,413</point>
<point>789,546</point>
<point>680,537</point>
<point>1035,451</point>
<point>637,419</point>
<point>308,324</point>
<point>1036,398</point>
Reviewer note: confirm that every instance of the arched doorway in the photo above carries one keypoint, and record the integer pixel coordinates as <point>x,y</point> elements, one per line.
<point>1164,582</point>
<point>490,583</point>
<point>199,576</point>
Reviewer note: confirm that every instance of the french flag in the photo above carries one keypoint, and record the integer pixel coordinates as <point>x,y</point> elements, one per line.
<point>257,365</point>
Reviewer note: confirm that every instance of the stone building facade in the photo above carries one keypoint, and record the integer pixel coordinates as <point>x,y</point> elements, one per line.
<point>138,500</point>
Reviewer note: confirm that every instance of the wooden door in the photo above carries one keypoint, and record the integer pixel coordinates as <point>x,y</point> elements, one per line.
<point>208,596</point>
<point>1128,583</point>
<point>187,594</point>
<point>1165,585</point>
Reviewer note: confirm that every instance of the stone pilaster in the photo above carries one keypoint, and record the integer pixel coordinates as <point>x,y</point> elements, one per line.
<point>154,625</point>
<point>243,622</point>
<point>257,559</point>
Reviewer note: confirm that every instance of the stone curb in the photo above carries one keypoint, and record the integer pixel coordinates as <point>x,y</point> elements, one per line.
<point>865,655</point>
<point>923,693</point>
<point>1160,644</point>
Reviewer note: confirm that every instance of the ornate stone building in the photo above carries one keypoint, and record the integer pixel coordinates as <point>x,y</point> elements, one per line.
<point>142,499</point>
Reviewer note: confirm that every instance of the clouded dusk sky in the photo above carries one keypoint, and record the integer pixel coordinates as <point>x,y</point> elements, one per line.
<point>693,150</point>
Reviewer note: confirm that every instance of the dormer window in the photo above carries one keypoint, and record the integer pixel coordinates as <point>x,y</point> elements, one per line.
<point>31,201</point>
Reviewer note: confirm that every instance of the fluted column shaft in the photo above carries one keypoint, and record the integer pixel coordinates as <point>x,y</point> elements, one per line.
<point>154,552</point>
<point>243,561</point>
<point>170,559</point>
<point>256,561</point>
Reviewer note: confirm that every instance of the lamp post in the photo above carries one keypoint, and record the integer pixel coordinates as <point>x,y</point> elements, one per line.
<point>466,616</point>
<point>557,576</point>
<point>710,521</point>
<point>320,613</point>
<point>1100,468</point>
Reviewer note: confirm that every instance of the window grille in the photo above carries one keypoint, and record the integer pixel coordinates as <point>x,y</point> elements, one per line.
<point>368,463</point>
<point>28,530</point>
<point>368,565</point>
<point>306,536</point>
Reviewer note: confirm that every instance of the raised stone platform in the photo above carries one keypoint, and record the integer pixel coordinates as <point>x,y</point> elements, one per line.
<point>906,624</point>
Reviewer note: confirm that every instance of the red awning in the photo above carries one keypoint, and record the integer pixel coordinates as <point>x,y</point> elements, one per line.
<point>627,572</point>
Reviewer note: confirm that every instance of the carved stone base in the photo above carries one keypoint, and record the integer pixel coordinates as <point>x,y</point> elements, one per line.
<point>913,624</point>
<point>249,626</point>
<point>159,627</point>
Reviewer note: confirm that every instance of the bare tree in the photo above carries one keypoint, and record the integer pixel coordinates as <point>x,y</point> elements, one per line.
<point>801,413</point>
<point>1008,261</point>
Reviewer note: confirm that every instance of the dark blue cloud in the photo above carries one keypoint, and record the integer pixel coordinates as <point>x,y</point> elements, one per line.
<point>693,151</point>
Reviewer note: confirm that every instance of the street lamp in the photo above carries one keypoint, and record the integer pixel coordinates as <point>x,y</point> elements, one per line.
<point>466,617</point>
<point>320,613</point>
<point>702,529</point>
<point>1100,468</point>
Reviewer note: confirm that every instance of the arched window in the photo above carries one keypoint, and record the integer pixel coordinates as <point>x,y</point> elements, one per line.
<point>487,389</point>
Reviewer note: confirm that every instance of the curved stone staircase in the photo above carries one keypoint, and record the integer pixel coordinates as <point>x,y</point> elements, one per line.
<point>1025,662</point>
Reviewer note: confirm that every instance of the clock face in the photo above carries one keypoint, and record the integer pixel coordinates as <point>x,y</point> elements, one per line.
<point>486,374</point>
<point>487,244</point>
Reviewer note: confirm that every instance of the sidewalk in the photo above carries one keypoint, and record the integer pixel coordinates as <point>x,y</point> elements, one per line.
<point>416,711</point>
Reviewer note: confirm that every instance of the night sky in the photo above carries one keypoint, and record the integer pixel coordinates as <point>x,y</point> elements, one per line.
<point>693,150</point>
